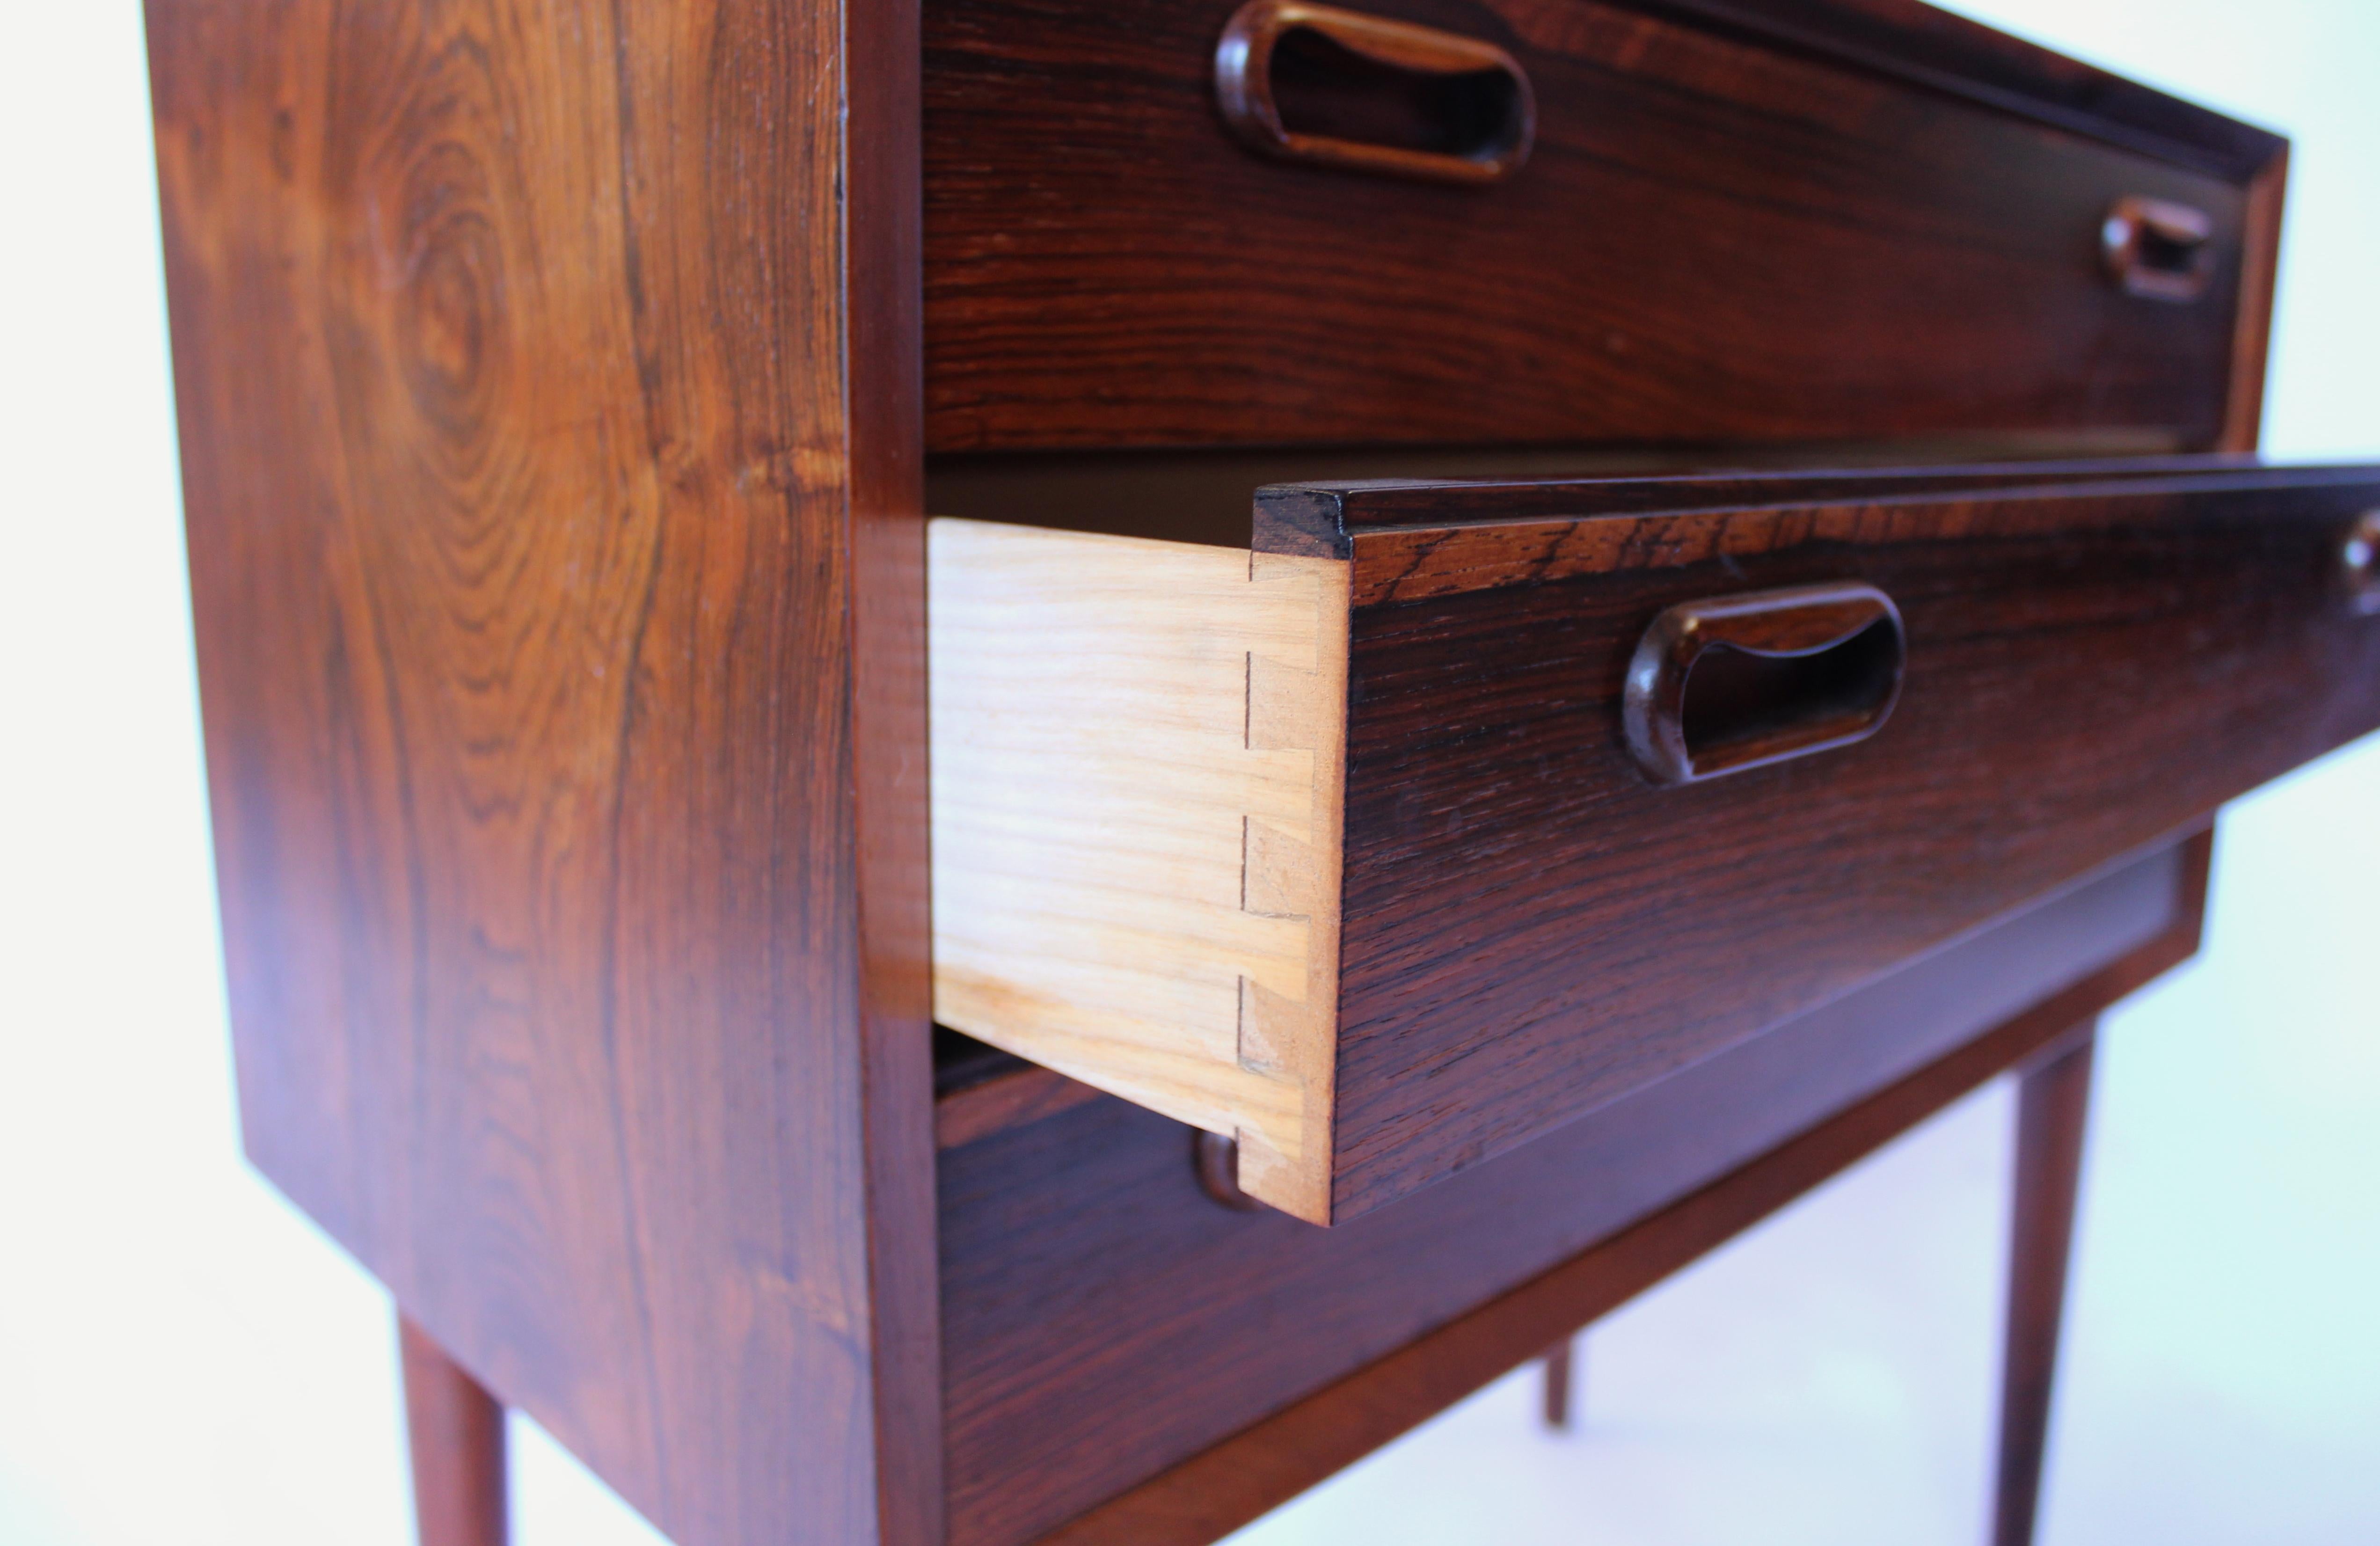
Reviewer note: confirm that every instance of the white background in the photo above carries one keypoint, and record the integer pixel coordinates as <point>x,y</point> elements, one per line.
<point>183,1360</point>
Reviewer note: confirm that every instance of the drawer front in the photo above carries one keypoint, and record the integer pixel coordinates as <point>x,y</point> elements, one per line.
<point>1714,238</point>
<point>1352,846</point>
<point>1533,924</point>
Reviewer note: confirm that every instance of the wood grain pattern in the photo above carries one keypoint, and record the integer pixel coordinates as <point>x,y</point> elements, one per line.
<point>1716,239</point>
<point>552,401</point>
<point>882,369</point>
<point>1136,751</point>
<point>1325,515</point>
<point>1412,566</point>
<point>1529,928</point>
<point>1203,496</point>
<point>1107,1322</point>
<point>1921,43</point>
<point>548,408</point>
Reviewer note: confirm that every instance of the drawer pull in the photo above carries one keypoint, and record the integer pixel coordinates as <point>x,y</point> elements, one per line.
<point>2359,564</point>
<point>1216,1160</point>
<point>1738,682</point>
<point>1369,94</point>
<point>2158,250</point>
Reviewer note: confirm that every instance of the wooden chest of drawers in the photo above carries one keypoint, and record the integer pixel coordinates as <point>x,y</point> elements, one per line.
<point>1341,710</point>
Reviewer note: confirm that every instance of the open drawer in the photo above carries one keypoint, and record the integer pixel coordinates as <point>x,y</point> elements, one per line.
<point>1453,812</point>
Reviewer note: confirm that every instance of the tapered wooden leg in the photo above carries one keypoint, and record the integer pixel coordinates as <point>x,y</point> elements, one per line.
<point>2053,1099</point>
<point>457,1432</point>
<point>1561,1362</point>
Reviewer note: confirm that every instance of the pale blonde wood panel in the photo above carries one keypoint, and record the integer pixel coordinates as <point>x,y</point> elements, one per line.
<point>1139,758</point>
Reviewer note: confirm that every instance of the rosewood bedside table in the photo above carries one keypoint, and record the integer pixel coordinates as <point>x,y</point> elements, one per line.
<point>1545,621</point>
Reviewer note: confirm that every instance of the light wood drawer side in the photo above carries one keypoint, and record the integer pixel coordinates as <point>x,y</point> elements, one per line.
<point>1138,761</point>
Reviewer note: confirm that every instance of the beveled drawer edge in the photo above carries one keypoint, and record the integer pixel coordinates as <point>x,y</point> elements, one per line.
<point>1961,58</point>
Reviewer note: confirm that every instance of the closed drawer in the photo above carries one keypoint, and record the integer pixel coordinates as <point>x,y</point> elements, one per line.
<point>1721,233</point>
<point>1104,1319</point>
<point>1357,847</point>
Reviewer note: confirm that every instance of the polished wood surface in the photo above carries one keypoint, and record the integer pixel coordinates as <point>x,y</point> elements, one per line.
<point>1714,241</point>
<point>1106,1319</point>
<point>1910,40</point>
<point>1328,514</point>
<point>1217,1490</point>
<point>1530,928</point>
<point>1137,748</point>
<point>870,53</point>
<point>1203,496</point>
<point>1415,538</point>
<point>2052,1108</point>
<point>455,1440</point>
<point>550,407</point>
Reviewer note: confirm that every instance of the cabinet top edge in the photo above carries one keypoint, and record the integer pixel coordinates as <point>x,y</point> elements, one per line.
<point>1952,54</point>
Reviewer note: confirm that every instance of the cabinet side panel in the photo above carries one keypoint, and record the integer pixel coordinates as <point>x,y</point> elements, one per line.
<point>518,453</point>
<point>883,355</point>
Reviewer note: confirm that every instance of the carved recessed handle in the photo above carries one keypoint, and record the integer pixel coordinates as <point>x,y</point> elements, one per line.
<point>1739,682</point>
<point>2158,250</point>
<point>1369,94</point>
<point>1216,1160</point>
<point>2358,565</point>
